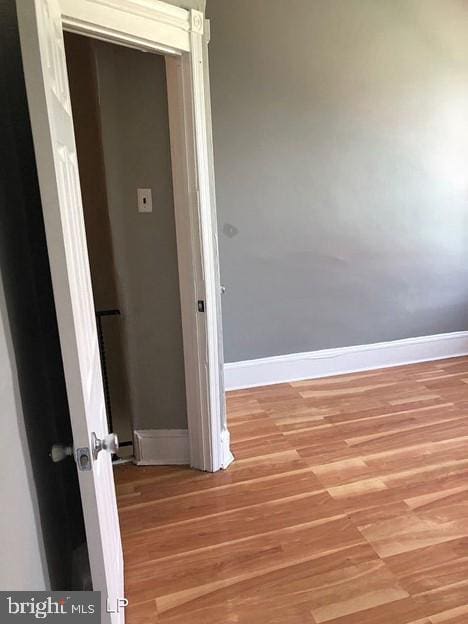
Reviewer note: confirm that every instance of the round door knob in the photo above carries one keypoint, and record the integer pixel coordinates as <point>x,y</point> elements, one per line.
<point>58,452</point>
<point>109,443</point>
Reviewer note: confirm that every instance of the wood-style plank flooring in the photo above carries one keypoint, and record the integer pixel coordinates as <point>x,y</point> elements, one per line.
<point>347,504</point>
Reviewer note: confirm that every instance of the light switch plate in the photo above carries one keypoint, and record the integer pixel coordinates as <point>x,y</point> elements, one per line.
<point>145,200</point>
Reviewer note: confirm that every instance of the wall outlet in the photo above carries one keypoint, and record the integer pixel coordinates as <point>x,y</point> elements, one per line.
<point>145,200</point>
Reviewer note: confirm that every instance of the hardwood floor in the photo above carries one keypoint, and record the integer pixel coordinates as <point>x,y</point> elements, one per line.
<point>347,504</point>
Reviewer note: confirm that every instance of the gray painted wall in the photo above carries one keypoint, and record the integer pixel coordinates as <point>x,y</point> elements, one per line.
<point>341,150</point>
<point>21,543</point>
<point>135,130</point>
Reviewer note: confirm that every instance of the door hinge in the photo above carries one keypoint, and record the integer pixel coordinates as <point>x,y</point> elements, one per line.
<point>201,305</point>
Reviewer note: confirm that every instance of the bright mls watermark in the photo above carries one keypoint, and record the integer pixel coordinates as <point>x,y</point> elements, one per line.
<point>40,606</point>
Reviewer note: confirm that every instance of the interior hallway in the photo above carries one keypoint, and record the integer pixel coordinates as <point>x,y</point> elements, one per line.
<point>347,503</point>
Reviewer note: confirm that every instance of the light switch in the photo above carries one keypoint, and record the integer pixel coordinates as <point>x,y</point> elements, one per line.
<point>145,200</point>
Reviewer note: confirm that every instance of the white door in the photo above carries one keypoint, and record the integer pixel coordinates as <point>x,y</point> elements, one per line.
<point>51,119</point>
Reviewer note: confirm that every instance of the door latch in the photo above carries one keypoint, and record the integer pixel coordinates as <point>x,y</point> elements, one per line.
<point>83,458</point>
<point>201,305</point>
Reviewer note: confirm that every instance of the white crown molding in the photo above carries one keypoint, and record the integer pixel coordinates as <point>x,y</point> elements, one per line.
<point>327,362</point>
<point>161,447</point>
<point>150,24</point>
<point>154,10</point>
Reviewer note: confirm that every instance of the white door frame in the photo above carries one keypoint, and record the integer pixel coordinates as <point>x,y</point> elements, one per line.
<point>177,33</point>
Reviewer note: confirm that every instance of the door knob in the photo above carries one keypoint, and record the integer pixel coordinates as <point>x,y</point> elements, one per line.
<point>223,289</point>
<point>109,443</point>
<point>58,452</point>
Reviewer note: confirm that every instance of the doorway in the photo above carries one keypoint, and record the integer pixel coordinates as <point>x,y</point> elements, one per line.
<point>120,112</point>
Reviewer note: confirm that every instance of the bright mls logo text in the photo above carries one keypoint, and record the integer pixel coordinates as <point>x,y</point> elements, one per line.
<point>40,609</point>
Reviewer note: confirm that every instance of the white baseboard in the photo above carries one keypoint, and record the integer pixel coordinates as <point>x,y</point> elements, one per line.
<point>327,362</point>
<point>161,447</point>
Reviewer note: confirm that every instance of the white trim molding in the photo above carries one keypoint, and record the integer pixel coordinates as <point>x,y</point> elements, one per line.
<point>227,456</point>
<point>161,447</point>
<point>147,24</point>
<point>339,361</point>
